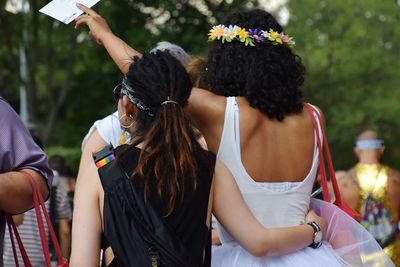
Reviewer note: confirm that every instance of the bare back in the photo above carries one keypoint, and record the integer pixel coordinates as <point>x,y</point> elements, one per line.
<point>271,151</point>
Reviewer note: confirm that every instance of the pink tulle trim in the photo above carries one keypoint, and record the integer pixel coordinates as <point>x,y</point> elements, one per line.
<point>348,238</point>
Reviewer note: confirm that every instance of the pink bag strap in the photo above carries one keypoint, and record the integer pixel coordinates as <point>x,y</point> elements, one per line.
<point>12,229</point>
<point>39,202</point>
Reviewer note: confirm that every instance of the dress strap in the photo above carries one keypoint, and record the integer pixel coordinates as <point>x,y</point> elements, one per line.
<point>236,116</point>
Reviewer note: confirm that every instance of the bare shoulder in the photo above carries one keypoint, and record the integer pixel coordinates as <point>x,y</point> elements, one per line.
<point>203,100</point>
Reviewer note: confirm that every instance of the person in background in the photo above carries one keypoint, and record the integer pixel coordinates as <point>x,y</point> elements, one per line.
<point>197,69</point>
<point>68,180</point>
<point>18,152</point>
<point>349,190</point>
<point>379,193</point>
<point>61,205</point>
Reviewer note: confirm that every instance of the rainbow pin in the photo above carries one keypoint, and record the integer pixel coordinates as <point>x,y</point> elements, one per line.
<point>105,161</point>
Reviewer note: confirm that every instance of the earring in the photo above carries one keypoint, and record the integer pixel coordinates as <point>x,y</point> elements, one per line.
<point>126,121</point>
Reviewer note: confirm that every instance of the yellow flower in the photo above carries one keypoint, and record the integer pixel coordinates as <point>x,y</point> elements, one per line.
<point>274,35</point>
<point>242,33</point>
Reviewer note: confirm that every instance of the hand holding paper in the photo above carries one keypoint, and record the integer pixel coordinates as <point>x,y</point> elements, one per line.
<point>98,27</point>
<point>65,10</point>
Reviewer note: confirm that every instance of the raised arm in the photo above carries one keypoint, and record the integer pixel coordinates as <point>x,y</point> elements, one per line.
<point>120,52</point>
<point>232,212</point>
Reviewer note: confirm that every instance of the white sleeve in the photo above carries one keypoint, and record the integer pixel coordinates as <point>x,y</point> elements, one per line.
<point>85,139</point>
<point>109,129</point>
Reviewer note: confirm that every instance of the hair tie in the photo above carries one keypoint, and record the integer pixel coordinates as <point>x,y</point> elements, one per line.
<point>169,101</point>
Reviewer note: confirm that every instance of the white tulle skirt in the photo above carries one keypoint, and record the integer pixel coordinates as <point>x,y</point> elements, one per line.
<point>346,243</point>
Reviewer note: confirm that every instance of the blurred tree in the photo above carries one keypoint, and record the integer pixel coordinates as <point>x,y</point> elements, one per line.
<point>351,49</point>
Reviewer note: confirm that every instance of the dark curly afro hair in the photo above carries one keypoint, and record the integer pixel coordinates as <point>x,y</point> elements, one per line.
<point>268,76</point>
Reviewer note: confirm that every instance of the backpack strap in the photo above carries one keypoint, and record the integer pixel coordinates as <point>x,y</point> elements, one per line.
<point>102,159</point>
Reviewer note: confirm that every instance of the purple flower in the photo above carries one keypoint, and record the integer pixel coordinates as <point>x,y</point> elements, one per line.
<point>257,35</point>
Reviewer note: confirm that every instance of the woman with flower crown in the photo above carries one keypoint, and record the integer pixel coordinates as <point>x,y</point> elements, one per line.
<point>253,119</point>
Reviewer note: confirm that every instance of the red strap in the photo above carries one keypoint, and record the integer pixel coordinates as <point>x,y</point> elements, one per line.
<point>51,230</point>
<point>324,183</point>
<point>321,131</point>
<point>12,228</point>
<point>39,202</point>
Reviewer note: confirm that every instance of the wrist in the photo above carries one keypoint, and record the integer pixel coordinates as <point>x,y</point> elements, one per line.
<point>104,37</point>
<point>317,234</point>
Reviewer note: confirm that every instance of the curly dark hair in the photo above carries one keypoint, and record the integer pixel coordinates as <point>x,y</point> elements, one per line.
<point>268,76</point>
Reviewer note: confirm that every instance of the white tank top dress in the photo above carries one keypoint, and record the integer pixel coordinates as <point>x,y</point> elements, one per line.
<point>280,205</point>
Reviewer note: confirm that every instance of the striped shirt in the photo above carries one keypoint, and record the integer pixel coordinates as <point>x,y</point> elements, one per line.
<point>29,232</point>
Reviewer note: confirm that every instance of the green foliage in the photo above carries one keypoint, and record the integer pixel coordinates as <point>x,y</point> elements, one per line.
<point>350,49</point>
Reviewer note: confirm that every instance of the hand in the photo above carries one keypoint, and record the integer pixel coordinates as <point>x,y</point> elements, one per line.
<point>98,27</point>
<point>312,216</point>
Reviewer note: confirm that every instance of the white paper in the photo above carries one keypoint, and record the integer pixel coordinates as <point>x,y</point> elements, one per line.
<point>65,10</point>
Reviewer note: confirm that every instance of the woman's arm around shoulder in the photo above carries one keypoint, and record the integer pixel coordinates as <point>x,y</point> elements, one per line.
<point>207,112</point>
<point>87,222</point>
<point>232,212</point>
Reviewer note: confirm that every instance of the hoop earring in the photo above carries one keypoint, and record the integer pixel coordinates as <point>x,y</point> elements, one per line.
<point>126,121</point>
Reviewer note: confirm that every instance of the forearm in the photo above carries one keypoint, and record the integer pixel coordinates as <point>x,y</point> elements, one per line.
<point>120,52</point>
<point>287,240</point>
<point>65,237</point>
<point>16,191</point>
<point>244,227</point>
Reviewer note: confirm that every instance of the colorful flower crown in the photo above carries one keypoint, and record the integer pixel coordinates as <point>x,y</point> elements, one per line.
<point>250,37</point>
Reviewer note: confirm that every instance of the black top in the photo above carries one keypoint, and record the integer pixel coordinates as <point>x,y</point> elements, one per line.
<point>187,222</point>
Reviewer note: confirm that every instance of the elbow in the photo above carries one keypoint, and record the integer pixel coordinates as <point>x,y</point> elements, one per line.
<point>45,191</point>
<point>259,248</point>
